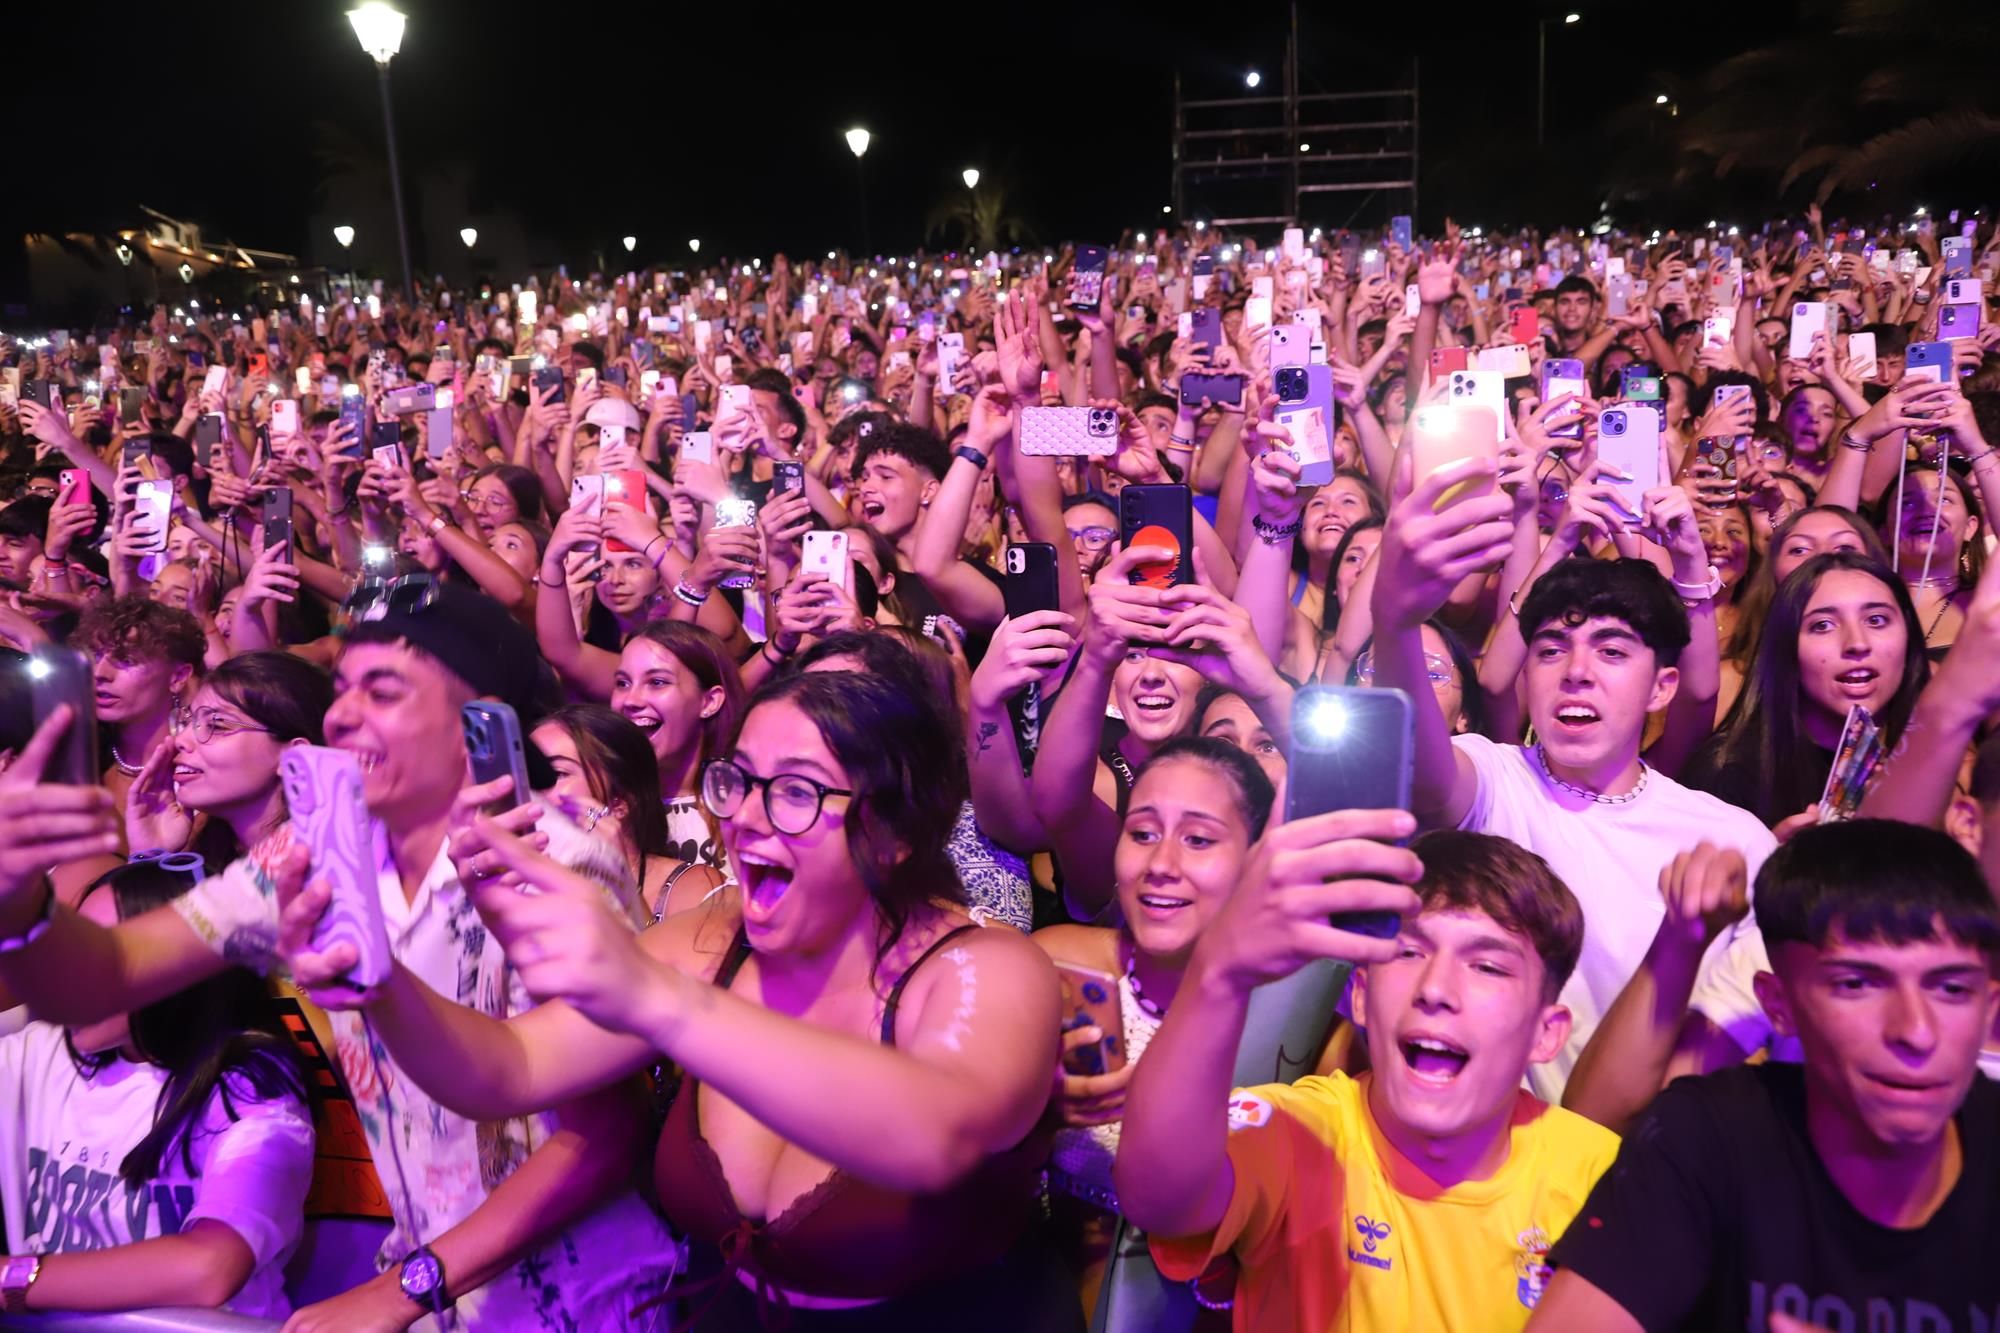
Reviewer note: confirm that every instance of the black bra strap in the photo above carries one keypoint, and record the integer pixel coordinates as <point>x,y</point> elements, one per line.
<point>896,991</point>
<point>732,962</point>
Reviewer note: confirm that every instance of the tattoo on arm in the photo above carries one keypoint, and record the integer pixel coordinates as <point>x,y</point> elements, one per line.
<point>984,737</point>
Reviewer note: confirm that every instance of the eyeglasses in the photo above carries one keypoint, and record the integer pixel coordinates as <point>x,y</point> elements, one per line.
<point>1095,539</point>
<point>481,502</point>
<point>205,724</point>
<point>1436,666</point>
<point>792,803</point>
<point>406,596</point>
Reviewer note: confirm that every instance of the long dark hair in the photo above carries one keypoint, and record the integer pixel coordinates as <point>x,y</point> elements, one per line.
<point>520,483</point>
<point>618,765</point>
<point>1765,731</point>
<point>288,697</point>
<point>220,1036</point>
<point>707,659</point>
<point>908,778</point>
<point>1253,790</point>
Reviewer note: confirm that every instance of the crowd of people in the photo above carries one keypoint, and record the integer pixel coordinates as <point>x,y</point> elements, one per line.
<point>910,853</point>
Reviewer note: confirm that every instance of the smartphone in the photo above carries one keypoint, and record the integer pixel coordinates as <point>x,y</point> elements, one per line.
<point>787,475</point>
<point>1205,328</point>
<point>1086,279</point>
<point>56,676</point>
<point>1957,256</point>
<point>1628,439</point>
<point>155,500</point>
<point>323,795</point>
<point>1963,291</point>
<point>951,352</point>
<point>1523,326</point>
<point>735,397</point>
<point>216,381</point>
<point>131,402</point>
<point>1564,375</point>
<point>825,553</point>
<point>1400,233</point>
<point>1069,432</point>
<point>1481,388</point>
<point>260,364</point>
<point>1257,312</point>
<point>698,446</point>
<point>1306,408</point>
<point>1861,358</point>
<point>1028,579</point>
<point>735,512</point>
<point>1353,748</point>
<point>285,416</point>
<point>1808,318</point>
<point>1216,386</point>
<point>278,519</point>
<point>354,411</point>
<point>1718,329</point>
<point>1618,296</point>
<point>1929,361</point>
<point>73,487</point>
<point>1451,432</point>
<point>1091,1000</point>
<point>437,433</point>
<point>207,433</point>
<point>1159,515</point>
<point>1636,384</point>
<point>1444,360</point>
<point>1373,265</point>
<point>1290,345</point>
<point>549,377</point>
<point>1510,361</point>
<point>494,749</point>
<point>1957,321</point>
<point>1293,247</point>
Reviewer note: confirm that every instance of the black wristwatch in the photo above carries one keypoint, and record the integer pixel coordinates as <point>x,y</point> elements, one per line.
<point>971,455</point>
<point>422,1280</point>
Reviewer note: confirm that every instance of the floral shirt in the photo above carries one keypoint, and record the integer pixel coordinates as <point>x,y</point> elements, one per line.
<point>437,1167</point>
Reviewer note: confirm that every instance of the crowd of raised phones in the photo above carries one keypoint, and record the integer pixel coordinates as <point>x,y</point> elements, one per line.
<point>1325,780</point>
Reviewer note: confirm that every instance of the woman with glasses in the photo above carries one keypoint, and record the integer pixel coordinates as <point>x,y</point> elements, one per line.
<point>215,790</point>
<point>853,1144</point>
<point>1450,669</point>
<point>501,493</point>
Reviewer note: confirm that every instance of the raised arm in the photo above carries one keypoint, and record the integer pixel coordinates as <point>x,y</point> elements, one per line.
<point>1428,551</point>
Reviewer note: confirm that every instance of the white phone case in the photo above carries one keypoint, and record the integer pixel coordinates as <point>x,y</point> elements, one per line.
<point>1482,388</point>
<point>825,553</point>
<point>1632,446</point>
<point>1075,432</point>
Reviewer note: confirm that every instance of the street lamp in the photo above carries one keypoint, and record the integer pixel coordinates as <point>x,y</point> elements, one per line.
<point>694,245</point>
<point>1542,74</point>
<point>1252,79</point>
<point>857,143</point>
<point>470,235</point>
<point>971,177</point>
<point>1661,100</point>
<point>380,30</point>
<point>631,244</point>
<point>345,235</point>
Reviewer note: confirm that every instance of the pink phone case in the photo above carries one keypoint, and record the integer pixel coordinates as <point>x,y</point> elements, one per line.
<point>323,793</point>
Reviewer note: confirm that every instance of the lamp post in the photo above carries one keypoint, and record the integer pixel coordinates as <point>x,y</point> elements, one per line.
<point>470,235</point>
<point>345,235</point>
<point>1542,73</point>
<point>857,143</point>
<point>380,30</point>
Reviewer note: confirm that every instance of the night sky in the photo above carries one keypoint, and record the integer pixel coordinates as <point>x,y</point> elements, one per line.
<point>559,127</point>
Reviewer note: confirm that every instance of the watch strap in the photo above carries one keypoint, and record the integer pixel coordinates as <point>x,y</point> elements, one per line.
<point>16,1277</point>
<point>971,455</point>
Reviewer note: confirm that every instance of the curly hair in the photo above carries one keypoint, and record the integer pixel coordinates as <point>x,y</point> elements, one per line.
<point>142,629</point>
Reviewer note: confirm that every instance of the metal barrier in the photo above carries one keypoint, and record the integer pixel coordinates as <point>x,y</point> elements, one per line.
<point>141,1321</point>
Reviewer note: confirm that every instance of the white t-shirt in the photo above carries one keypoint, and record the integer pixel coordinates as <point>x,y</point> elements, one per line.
<point>589,1275</point>
<point>62,1137</point>
<point>1610,856</point>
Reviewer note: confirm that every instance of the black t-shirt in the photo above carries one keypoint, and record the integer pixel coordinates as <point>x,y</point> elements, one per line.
<point>1718,1213</point>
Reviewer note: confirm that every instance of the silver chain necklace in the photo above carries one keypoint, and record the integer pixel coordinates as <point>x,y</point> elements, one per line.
<point>1542,758</point>
<point>129,770</point>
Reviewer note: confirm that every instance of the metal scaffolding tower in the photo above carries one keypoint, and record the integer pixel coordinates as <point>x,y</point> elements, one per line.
<point>1242,161</point>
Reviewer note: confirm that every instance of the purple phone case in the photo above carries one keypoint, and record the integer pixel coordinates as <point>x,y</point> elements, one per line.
<point>323,793</point>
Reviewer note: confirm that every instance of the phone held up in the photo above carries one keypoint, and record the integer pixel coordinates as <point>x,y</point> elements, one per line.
<point>1352,749</point>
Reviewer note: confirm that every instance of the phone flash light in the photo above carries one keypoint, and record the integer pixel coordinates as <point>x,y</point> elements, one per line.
<point>38,668</point>
<point>1327,720</point>
<point>375,555</point>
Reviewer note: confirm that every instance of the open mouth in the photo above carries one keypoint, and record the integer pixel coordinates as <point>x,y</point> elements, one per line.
<point>764,884</point>
<point>1433,1059</point>
<point>1576,716</point>
<point>1163,904</point>
<point>1858,679</point>
<point>871,510</point>
<point>1154,705</point>
<point>645,722</point>
<point>368,759</point>
<point>186,772</point>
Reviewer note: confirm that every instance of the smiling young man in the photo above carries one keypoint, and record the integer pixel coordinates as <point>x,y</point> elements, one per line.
<point>527,1223</point>
<point>1424,1194</point>
<point>1860,1190</point>
<point>897,471</point>
<point>1603,639</point>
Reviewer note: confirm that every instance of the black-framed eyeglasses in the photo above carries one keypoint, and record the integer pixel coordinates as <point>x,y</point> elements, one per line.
<point>406,596</point>
<point>792,802</point>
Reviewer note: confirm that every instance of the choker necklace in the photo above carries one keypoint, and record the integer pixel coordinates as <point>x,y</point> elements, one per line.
<point>1150,1008</point>
<point>1542,758</point>
<point>1941,581</point>
<point>129,770</point>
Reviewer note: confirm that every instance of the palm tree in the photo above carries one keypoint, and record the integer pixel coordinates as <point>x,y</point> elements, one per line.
<point>980,217</point>
<point>1863,95</point>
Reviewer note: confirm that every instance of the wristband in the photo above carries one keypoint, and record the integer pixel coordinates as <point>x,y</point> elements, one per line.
<point>688,595</point>
<point>1179,442</point>
<point>546,584</point>
<point>1693,594</point>
<point>1273,533</point>
<point>18,1274</point>
<point>646,551</point>
<point>970,455</point>
<point>782,653</point>
<point>1857,444</point>
<point>438,524</point>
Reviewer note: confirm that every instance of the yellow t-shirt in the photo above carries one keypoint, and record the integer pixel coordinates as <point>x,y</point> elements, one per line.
<point>1336,1230</point>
